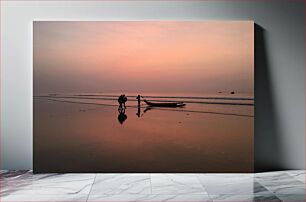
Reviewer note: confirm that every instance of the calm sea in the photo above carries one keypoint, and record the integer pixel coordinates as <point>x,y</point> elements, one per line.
<point>85,132</point>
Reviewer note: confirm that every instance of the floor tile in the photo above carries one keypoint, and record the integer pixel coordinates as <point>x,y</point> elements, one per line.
<point>114,198</point>
<point>121,184</point>
<point>15,175</point>
<point>281,183</point>
<point>272,175</point>
<point>219,184</point>
<point>298,175</point>
<point>47,184</point>
<point>260,189</point>
<point>266,198</point>
<point>182,198</point>
<point>175,184</point>
<point>286,186</point>
<point>291,197</point>
<point>150,197</point>
<point>245,198</point>
<point>12,181</point>
<point>230,197</point>
<point>42,198</point>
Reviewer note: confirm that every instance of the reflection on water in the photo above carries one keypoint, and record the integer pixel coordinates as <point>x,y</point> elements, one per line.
<point>86,135</point>
<point>138,111</point>
<point>122,116</point>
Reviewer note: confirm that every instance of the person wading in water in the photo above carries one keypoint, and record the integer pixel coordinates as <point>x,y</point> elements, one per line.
<point>138,98</point>
<point>122,100</point>
<point>138,111</point>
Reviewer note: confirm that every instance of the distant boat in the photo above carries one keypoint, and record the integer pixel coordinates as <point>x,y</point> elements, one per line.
<point>233,92</point>
<point>165,104</point>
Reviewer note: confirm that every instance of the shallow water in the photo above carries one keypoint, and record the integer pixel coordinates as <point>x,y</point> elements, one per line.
<point>89,135</point>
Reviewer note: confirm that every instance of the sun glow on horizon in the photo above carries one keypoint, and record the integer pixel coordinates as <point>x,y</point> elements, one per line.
<point>144,56</point>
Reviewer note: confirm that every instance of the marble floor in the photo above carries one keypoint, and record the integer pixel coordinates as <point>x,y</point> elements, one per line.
<point>270,186</point>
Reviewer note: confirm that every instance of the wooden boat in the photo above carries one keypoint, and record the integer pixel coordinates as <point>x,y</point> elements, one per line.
<point>165,104</point>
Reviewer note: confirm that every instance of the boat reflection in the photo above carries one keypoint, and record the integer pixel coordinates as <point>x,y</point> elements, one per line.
<point>147,108</point>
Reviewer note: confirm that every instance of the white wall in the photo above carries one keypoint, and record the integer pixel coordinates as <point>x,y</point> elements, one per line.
<point>280,112</point>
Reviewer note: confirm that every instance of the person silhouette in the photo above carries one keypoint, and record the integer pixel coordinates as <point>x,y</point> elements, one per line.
<point>122,99</point>
<point>138,111</point>
<point>138,98</point>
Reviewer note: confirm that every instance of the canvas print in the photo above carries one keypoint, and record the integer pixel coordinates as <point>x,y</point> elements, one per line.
<point>143,96</point>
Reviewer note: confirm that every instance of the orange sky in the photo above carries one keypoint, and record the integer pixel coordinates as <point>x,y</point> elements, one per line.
<point>144,56</point>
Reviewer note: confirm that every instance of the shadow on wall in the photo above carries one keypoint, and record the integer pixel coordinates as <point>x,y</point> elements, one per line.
<point>267,148</point>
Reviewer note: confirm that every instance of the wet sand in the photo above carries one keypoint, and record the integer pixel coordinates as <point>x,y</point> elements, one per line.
<point>75,137</point>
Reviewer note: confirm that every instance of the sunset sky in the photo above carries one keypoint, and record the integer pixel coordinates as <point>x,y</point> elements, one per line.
<point>144,56</point>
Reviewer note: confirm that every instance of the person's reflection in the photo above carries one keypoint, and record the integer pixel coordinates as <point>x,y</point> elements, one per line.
<point>138,111</point>
<point>121,116</point>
